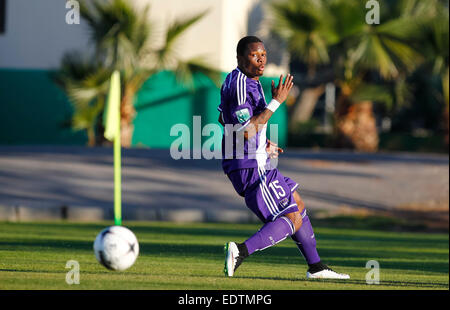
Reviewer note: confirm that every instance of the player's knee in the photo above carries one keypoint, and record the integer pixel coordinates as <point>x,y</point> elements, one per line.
<point>301,206</point>
<point>299,202</point>
<point>296,220</point>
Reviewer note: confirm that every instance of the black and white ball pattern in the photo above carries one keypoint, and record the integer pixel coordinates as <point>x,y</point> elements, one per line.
<point>116,248</point>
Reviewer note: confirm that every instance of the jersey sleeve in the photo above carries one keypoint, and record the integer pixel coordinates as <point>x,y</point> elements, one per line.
<point>239,102</point>
<point>241,114</point>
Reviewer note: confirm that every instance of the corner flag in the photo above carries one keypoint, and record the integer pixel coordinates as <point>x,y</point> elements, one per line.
<point>112,133</point>
<point>112,109</point>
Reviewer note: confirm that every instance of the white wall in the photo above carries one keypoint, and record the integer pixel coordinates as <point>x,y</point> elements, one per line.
<point>215,36</point>
<point>37,34</point>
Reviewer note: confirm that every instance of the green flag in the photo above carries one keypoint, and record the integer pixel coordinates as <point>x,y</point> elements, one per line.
<point>112,133</point>
<point>112,111</point>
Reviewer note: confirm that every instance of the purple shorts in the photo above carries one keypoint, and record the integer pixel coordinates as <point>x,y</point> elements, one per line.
<point>268,193</point>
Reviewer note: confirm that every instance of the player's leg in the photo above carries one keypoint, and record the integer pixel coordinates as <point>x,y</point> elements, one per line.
<point>270,234</point>
<point>304,237</point>
<point>272,201</point>
<point>306,243</point>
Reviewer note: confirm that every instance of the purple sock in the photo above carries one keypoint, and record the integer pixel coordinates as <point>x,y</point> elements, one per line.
<point>305,240</point>
<point>270,234</point>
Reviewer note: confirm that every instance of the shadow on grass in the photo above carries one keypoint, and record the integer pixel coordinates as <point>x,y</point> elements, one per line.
<point>404,221</point>
<point>404,260</point>
<point>356,282</point>
<point>357,258</point>
<point>141,228</point>
<point>395,252</point>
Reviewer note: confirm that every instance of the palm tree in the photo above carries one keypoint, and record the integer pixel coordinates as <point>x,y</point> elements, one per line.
<point>430,30</point>
<point>308,30</point>
<point>356,50</point>
<point>387,49</point>
<point>123,39</point>
<point>86,84</point>
<point>435,25</point>
<point>306,27</point>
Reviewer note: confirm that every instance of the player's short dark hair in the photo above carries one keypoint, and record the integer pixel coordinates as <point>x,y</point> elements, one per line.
<point>244,42</point>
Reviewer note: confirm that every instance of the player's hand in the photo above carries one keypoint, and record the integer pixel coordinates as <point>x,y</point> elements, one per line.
<point>281,92</point>
<point>273,150</point>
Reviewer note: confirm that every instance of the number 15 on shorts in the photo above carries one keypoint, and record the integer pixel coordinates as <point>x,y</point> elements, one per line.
<point>277,189</point>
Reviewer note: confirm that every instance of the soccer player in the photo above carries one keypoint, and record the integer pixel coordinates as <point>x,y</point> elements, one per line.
<point>244,113</point>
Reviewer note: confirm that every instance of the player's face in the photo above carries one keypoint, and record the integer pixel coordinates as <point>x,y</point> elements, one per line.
<point>254,60</point>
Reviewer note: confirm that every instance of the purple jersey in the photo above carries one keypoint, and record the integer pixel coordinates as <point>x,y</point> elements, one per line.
<point>241,98</point>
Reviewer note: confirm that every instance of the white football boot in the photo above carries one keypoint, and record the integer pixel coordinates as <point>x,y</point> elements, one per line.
<point>326,274</point>
<point>232,259</point>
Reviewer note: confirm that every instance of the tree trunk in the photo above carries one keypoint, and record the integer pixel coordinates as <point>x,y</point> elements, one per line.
<point>127,114</point>
<point>355,125</point>
<point>91,137</point>
<point>305,107</point>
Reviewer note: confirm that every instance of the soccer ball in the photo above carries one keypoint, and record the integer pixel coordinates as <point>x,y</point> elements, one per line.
<point>116,248</point>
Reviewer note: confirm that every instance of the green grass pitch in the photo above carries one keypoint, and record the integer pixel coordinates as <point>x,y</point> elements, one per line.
<point>173,256</point>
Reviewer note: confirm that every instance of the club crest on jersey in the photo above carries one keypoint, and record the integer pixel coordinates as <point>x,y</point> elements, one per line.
<point>283,203</point>
<point>243,115</point>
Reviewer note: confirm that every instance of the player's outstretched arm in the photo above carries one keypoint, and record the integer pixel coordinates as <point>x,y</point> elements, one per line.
<point>279,95</point>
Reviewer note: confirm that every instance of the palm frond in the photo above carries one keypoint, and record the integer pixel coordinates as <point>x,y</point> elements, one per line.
<point>85,82</point>
<point>165,56</point>
<point>307,27</point>
<point>119,31</point>
<point>85,116</point>
<point>348,18</point>
<point>405,57</point>
<point>179,26</point>
<point>372,92</point>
